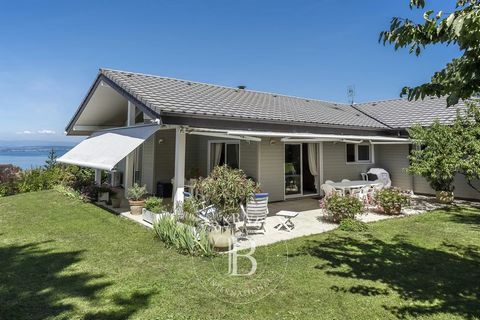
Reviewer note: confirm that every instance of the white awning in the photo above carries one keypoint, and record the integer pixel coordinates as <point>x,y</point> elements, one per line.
<point>105,149</point>
<point>299,137</point>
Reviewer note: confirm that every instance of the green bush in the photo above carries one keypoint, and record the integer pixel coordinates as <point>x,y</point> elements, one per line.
<point>69,192</point>
<point>391,200</point>
<point>182,237</point>
<point>353,225</point>
<point>339,207</point>
<point>155,205</point>
<point>226,188</point>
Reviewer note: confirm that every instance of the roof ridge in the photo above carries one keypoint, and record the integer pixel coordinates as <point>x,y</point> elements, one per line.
<point>227,87</point>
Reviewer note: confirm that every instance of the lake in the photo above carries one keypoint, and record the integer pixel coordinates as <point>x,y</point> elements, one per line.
<point>28,157</point>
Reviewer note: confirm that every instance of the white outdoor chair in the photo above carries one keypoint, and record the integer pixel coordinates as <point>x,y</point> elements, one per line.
<point>364,176</point>
<point>255,213</point>
<point>329,181</point>
<point>345,180</point>
<point>363,194</point>
<point>329,190</point>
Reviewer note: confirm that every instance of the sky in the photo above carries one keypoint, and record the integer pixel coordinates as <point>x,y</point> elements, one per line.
<point>50,51</point>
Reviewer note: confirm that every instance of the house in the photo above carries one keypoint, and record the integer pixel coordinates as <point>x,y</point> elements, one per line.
<point>157,130</point>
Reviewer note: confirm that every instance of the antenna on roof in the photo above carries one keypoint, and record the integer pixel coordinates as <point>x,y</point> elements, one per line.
<point>351,94</point>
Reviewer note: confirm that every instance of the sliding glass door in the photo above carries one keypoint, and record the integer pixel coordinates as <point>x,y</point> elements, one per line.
<point>301,169</point>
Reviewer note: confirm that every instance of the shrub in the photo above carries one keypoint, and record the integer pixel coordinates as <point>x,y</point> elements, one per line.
<point>182,237</point>
<point>391,200</point>
<point>137,193</point>
<point>226,188</point>
<point>69,192</point>
<point>155,205</point>
<point>339,207</point>
<point>189,214</point>
<point>353,225</point>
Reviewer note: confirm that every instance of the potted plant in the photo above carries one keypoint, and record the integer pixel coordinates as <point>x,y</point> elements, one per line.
<point>103,194</point>
<point>225,189</point>
<point>391,200</point>
<point>136,196</point>
<point>154,209</point>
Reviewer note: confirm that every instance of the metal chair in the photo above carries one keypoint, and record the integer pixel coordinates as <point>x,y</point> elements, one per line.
<point>255,213</point>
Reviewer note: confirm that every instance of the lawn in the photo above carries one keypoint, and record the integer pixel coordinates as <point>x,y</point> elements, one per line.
<point>63,259</point>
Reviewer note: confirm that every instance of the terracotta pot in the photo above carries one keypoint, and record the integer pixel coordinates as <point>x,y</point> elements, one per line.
<point>136,207</point>
<point>222,238</point>
<point>444,196</point>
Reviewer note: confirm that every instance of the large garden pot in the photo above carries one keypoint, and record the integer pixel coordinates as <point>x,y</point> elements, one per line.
<point>116,202</point>
<point>152,217</point>
<point>222,238</point>
<point>136,207</point>
<point>444,196</point>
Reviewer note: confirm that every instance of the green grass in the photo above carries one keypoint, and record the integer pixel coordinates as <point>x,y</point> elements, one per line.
<point>64,259</point>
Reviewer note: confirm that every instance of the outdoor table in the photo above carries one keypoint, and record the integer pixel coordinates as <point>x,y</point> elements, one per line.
<point>287,223</point>
<point>349,185</point>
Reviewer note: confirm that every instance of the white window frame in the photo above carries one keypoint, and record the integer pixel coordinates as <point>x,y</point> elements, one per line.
<point>369,161</point>
<point>225,142</point>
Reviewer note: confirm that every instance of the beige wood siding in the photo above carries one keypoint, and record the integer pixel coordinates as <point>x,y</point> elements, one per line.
<point>335,165</point>
<point>394,159</point>
<point>148,167</point>
<point>271,169</point>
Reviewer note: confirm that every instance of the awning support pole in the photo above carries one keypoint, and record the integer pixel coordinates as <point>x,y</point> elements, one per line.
<point>128,179</point>
<point>98,177</point>
<point>179,179</point>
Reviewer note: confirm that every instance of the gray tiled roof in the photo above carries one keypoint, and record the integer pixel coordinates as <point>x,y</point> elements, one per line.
<point>167,95</point>
<point>401,113</point>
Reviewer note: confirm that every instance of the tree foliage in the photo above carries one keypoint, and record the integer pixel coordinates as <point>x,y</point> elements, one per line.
<point>460,79</point>
<point>445,150</point>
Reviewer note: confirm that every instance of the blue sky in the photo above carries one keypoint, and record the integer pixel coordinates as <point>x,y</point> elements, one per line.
<point>50,51</point>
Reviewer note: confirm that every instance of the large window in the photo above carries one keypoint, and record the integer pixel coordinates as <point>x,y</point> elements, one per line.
<point>224,152</point>
<point>359,153</point>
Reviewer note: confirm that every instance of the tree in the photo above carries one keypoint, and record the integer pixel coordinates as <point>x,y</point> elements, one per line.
<point>51,161</point>
<point>460,79</point>
<point>467,128</point>
<point>445,150</point>
<point>435,156</point>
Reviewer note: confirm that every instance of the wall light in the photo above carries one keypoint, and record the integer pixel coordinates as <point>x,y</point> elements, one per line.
<point>273,141</point>
<point>160,141</point>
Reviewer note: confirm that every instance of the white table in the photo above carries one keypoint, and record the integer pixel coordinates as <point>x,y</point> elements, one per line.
<point>287,223</point>
<point>355,184</point>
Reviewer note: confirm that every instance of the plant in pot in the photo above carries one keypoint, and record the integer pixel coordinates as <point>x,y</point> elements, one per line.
<point>136,195</point>
<point>391,200</point>
<point>225,189</point>
<point>154,209</point>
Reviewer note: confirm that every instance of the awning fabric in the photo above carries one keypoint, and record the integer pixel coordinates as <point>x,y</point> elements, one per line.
<point>105,149</point>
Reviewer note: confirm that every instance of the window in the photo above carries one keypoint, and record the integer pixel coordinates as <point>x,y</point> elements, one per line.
<point>222,153</point>
<point>359,153</point>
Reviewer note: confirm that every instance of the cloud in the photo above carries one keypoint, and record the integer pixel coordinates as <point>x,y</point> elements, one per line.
<point>45,131</point>
<point>25,132</point>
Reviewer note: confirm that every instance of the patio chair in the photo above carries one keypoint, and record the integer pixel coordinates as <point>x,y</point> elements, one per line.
<point>345,180</point>
<point>363,194</point>
<point>255,213</point>
<point>329,182</point>
<point>329,190</point>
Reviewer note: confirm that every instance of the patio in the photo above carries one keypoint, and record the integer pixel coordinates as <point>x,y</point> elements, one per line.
<point>309,220</point>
